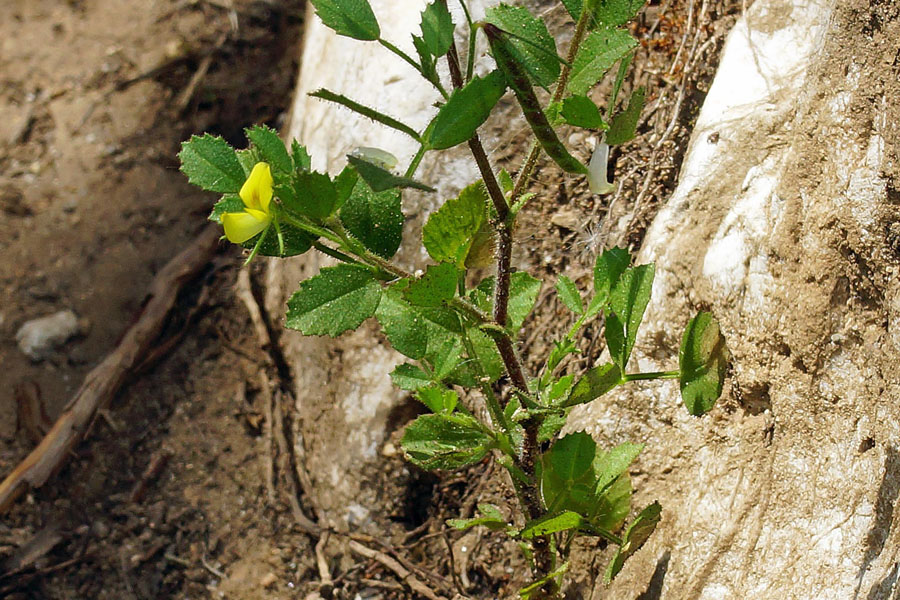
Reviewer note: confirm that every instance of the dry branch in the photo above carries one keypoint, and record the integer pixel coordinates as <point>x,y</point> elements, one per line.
<point>102,383</point>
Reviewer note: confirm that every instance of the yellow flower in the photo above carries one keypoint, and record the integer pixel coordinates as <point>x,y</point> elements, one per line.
<point>256,194</point>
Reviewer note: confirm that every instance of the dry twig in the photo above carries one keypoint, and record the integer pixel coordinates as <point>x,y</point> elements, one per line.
<point>399,570</point>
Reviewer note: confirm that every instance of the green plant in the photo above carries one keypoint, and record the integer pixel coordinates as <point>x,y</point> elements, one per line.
<point>461,336</point>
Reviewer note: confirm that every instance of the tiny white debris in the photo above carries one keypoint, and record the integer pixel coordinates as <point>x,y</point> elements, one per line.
<point>39,337</point>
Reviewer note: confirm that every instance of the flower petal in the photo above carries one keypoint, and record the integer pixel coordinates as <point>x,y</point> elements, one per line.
<point>240,227</point>
<point>257,190</point>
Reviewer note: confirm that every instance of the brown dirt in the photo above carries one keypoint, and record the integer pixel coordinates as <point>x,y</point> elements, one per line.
<point>93,206</point>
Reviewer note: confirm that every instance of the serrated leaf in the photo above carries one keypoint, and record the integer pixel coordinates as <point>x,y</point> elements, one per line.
<point>211,164</point>
<point>612,464</point>
<point>380,179</point>
<point>295,241</point>
<point>351,18</point>
<point>599,52</point>
<point>228,203</point>
<point>445,345</point>
<point>530,43</point>
<point>344,184</point>
<point>569,294</point>
<point>635,536</point>
<point>612,13</point>
<point>481,252</point>
<point>450,230</point>
<point>438,399</point>
<point>581,111</point>
<point>315,196</point>
<point>426,59</point>
<point>464,112</point>
<point>552,523</point>
<point>551,425</point>
<point>337,299</point>
<point>703,360</point>
<point>406,329</point>
<point>506,181</point>
<point>594,383</point>
<point>300,157</point>
<point>270,147</point>
<point>437,28</point>
<point>628,301</point>
<point>523,293</point>
<point>375,219</point>
<point>489,361</point>
<point>410,377</point>
<point>560,388</point>
<point>435,287</point>
<point>623,125</point>
<point>248,157</point>
<point>445,441</point>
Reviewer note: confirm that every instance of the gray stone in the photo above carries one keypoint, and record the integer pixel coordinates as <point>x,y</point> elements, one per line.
<point>38,338</point>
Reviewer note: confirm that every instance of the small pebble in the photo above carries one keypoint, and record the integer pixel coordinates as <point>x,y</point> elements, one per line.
<point>268,580</point>
<point>38,338</point>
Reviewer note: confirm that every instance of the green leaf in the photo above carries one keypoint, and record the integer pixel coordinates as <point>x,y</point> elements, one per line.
<point>523,293</point>
<point>438,399</point>
<point>531,44</point>
<point>316,195</point>
<point>599,52</point>
<point>344,184</point>
<point>444,335</point>
<point>481,252</point>
<point>703,360</point>
<point>608,270</point>
<point>567,476</point>
<point>410,377</point>
<point>436,286</point>
<point>366,111</point>
<point>465,111</point>
<point>337,299</point>
<point>595,383</point>
<point>628,301</point>
<point>375,219</point>
<point>506,182</point>
<point>445,441</point>
<point>492,519</point>
<point>229,203</point>
<point>581,111</point>
<point>437,28</point>
<point>270,147</point>
<point>623,125</point>
<point>569,294</point>
<point>535,587</point>
<point>574,8</point>
<point>489,361</point>
<point>352,18</point>
<point>559,352</point>
<point>560,389</point>
<point>380,179</point>
<point>612,13</point>
<point>211,164</point>
<point>450,230</point>
<point>552,523</point>
<point>295,242</point>
<point>551,426</point>
<point>635,536</point>
<point>300,157</point>
<point>611,465</point>
<point>405,328</point>
<point>426,59</point>
<point>613,505</point>
<point>248,157</point>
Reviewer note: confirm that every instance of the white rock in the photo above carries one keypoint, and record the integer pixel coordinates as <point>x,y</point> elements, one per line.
<point>39,337</point>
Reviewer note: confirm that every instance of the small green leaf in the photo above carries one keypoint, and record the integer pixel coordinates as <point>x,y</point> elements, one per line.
<point>599,52</point>
<point>594,384</point>
<point>635,536</point>
<point>426,59</point>
<point>229,203</point>
<point>628,301</point>
<point>506,182</point>
<point>211,164</point>
<point>608,269</point>
<point>623,125</point>
<point>574,8</point>
<point>611,465</point>
<point>613,505</point>
<point>352,18</point>
<point>375,219</point>
<point>437,28</point>
<point>465,111</point>
<point>270,147</point>
<point>535,587</point>
<point>436,286</point>
<point>559,352</point>
<point>438,399</point>
<point>486,361</point>
<point>567,476</point>
<point>248,157</point>
<point>444,335</point>
<point>295,242</point>
<point>481,252</point>
<point>523,293</point>
<point>300,157</point>
<point>612,13</point>
<point>530,42</point>
<point>410,377</point>
<point>569,294</point>
<point>316,196</point>
<point>450,230</point>
<point>337,299</point>
<point>492,519</point>
<point>560,388</point>
<point>703,360</point>
<point>380,179</point>
<point>405,328</point>
<point>344,184</point>
<point>445,441</point>
<point>552,523</point>
<point>581,111</point>
<point>551,426</point>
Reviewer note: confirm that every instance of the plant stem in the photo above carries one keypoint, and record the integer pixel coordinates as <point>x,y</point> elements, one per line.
<point>335,253</point>
<point>581,29</point>
<point>654,375</point>
<point>414,164</point>
<point>400,53</point>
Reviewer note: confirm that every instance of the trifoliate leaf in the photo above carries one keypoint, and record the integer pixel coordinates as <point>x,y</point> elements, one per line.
<point>337,299</point>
